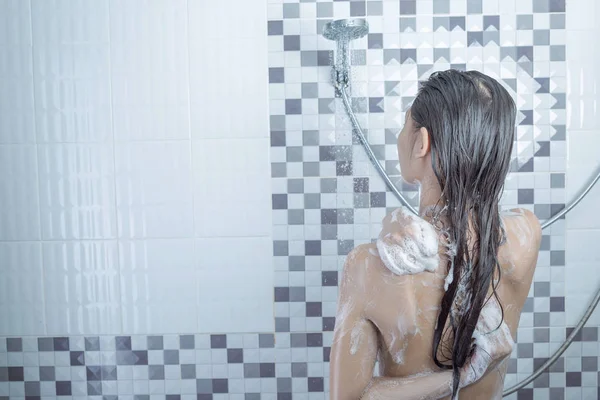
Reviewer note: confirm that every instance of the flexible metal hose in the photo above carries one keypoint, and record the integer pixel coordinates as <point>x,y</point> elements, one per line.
<point>341,87</point>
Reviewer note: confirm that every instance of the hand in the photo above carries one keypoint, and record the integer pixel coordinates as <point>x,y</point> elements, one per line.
<point>493,345</point>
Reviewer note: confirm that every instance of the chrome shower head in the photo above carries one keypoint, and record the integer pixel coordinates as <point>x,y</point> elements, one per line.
<point>346,29</point>
<point>342,32</point>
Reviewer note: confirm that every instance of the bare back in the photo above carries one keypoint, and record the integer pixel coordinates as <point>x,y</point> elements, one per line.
<point>404,308</point>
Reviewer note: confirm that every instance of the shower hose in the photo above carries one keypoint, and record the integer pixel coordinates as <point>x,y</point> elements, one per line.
<point>363,140</point>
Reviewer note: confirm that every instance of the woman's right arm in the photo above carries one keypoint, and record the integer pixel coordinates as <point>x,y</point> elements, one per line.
<point>433,386</point>
<point>437,385</point>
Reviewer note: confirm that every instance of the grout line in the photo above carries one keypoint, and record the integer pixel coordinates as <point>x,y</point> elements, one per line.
<point>192,169</point>
<point>37,172</point>
<point>114,157</point>
<point>132,239</point>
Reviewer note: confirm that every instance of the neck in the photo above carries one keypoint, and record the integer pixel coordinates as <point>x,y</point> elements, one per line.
<point>430,195</point>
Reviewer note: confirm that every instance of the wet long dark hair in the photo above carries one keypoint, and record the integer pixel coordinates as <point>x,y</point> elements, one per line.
<point>470,118</point>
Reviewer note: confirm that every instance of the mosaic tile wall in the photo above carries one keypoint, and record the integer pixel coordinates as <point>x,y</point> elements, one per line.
<point>327,199</point>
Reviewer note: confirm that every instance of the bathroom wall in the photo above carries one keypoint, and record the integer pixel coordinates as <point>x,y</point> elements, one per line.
<point>328,198</point>
<point>583,223</point>
<point>141,246</point>
<point>135,222</point>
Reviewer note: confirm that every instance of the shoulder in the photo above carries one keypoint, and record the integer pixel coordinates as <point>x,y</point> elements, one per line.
<point>355,276</point>
<point>359,261</point>
<point>523,240</point>
<point>364,270</point>
<point>524,224</point>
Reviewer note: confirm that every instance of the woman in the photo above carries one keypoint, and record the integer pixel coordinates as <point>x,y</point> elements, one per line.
<point>438,299</point>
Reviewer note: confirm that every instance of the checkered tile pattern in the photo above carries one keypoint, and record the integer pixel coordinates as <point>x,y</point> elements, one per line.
<point>231,366</point>
<point>327,198</point>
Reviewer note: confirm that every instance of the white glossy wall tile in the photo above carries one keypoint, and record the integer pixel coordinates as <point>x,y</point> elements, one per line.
<point>242,270</point>
<point>71,65</point>
<point>158,286</point>
<point>81,287</point>
<point>228,96</point>
<point>103,179</point>
<point>583,165</point>
<point>77,191</point>
<point>235,78</point>
<point>583,133</point>
<point>16,71</point>
<point>149,65</point>
<point>21,292</point>
<point>15,23</point>
<point>19,193</point>
<point>154,194</point>
<point>234,202</point>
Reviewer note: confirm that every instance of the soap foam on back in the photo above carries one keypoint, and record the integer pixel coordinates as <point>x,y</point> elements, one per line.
<point>414,251</point>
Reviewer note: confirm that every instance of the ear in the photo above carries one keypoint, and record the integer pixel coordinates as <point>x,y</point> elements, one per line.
<point>422,145</point>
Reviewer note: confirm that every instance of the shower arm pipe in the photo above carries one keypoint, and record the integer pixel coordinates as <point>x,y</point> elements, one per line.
<point>341,87</point>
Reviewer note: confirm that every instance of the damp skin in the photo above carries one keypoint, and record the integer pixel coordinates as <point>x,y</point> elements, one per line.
<point>368,312</point>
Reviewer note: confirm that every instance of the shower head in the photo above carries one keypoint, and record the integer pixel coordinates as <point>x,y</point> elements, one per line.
<point>342,32</point>
<point>346,29</point>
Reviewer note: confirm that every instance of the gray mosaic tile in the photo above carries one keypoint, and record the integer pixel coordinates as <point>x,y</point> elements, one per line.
<point>61,344</point>
<point>16,374</point>
<point>91,343</point>
<point>291,10</point>
<point>374,8</point>
<point>77,358</point>
<point>557,21</point>
<point>94,388</point>
<point>14,344</point>
<point>324,10</point>
<point>171,357</point>
<point>556,6</point>
<point>63,388</point>
<point>266,340</point>
<point>123,342</point>
<point>275,28</point>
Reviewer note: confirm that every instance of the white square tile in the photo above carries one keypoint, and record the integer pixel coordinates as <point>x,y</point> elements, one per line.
<point>72,92</point>
<point>154,195</point>
<point>582,15</point>
<point>149,69</point>
<point>15,20</point>
<point>19,196</point>
<point>242,172</point>
<point>16,94</point>
<point>81,287</point>
<point>230,264</point>
<point>228,101</point>
<point>158,286</point>
<point>77,193</point>
<point>68,22</point>
<point>21,300</point>
<point>581,247</point>
<point>582,167</point>
<point>243,19</point>
<point>579,290</point>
